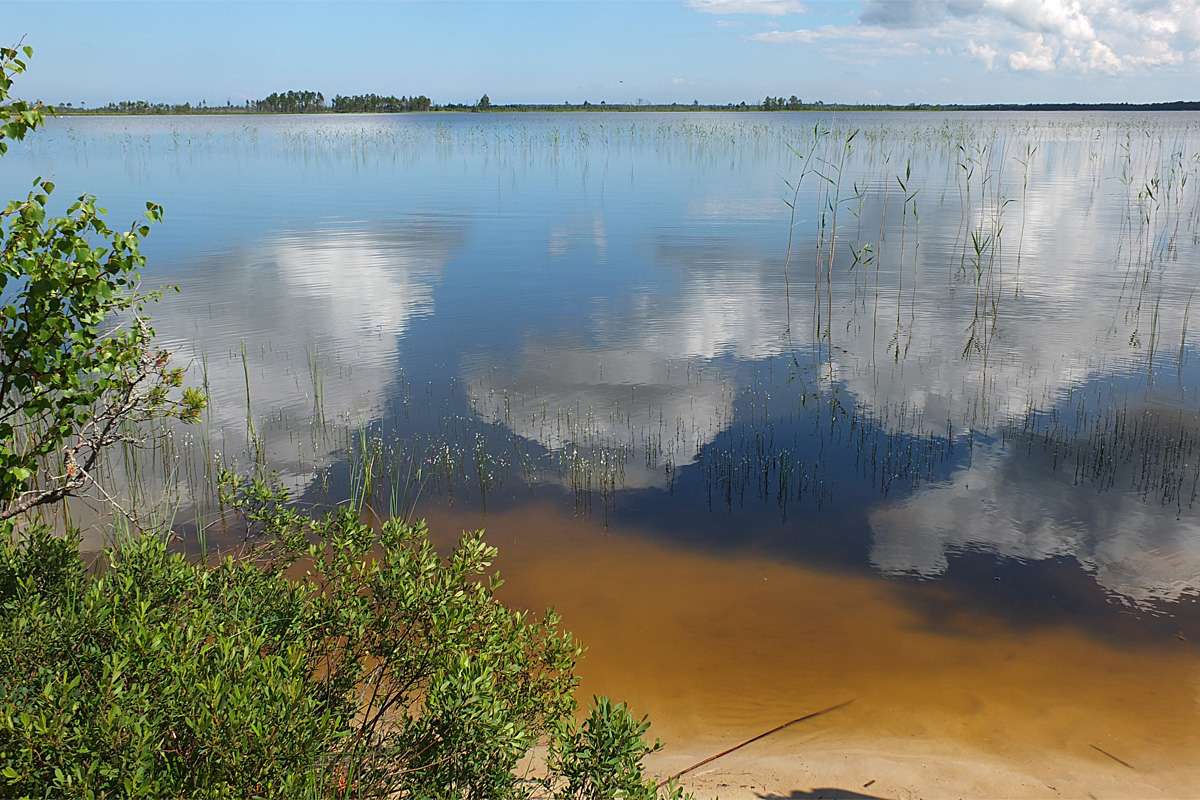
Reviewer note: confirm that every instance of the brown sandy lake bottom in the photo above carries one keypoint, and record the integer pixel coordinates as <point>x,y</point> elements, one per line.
<point>948,701</point>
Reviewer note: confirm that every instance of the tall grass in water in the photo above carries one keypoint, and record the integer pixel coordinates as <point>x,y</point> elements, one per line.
<point>824,330</point>
<point>806,160</point>
<point>1030,151</point>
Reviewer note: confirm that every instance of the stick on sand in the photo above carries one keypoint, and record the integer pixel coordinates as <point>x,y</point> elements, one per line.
<point>1120,761</point>
<point>754,739</point>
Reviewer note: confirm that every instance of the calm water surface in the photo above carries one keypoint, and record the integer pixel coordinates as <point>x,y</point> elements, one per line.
<point>929,449</point>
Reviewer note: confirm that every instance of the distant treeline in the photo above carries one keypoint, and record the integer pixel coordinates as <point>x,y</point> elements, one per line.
<point>310,102</point>
<point>793,103</point>
<point>375,103</point>
<point>292,102</point>
<point>1175,105</point>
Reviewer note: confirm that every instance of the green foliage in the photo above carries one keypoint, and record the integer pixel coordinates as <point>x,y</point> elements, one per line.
<point>78,370</point>
<point>18,117</point>
<point>602,758</point>
<point>303,101</point>
<point>147,107</point>
<point>373,103</point>
<point>337,660</point>
<point>792,103</point>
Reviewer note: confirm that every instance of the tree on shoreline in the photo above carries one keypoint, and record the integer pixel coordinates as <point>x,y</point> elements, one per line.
<point>78,369</point>
<point>373,103</point>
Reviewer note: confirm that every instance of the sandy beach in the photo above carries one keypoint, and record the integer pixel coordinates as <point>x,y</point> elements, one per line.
<point>822,766</point>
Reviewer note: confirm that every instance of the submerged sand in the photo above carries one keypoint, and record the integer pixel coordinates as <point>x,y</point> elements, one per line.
<point>958,703</point>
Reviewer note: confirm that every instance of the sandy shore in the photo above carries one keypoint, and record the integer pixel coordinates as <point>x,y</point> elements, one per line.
<point>814,766</point>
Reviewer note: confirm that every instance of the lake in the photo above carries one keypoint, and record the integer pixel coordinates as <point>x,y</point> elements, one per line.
<point>779,410</point>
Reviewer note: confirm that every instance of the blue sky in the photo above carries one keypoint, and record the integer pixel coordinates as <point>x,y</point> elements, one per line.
<point>894,51</point>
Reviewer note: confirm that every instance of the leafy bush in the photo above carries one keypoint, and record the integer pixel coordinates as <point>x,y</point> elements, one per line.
<point>603,756</point>
<point>332,660</point>
<point>78,370</point>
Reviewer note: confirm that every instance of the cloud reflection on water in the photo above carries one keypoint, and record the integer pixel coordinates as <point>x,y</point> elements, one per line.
<point>631,274</point>
<point>330,306</point>
<point>1065,318</point>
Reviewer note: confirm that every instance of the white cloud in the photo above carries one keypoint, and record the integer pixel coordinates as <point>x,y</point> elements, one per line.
<point>1064,18</point>
<point>1036,57</point>
<point>809,35</point>
<point>1081,36</point>
<point>1101,57</point>
<point>766,8</point>
<point>788,37</point>
<point>984,52</point>
<point>1157,53</point>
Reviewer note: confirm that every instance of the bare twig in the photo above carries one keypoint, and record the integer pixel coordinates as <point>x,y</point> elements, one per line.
<point>1120,761</point>
<point>764,735</point>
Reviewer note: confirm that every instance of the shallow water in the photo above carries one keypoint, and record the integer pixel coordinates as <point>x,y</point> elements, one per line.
<point>720,647</point>
<point>957,425</point>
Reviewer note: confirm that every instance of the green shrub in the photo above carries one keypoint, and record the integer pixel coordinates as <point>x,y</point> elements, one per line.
<point>602,758</point>
<point>332,660</point>
<point>78,369</point>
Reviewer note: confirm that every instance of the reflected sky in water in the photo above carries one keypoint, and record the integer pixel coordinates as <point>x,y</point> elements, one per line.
<point>984,347</point>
